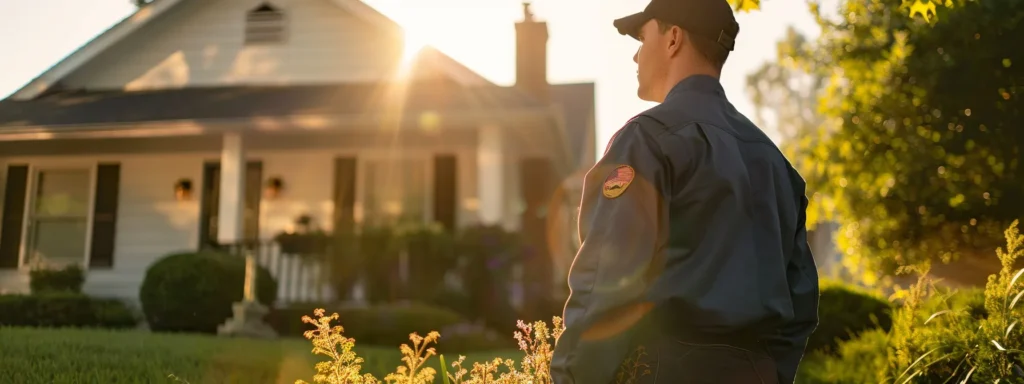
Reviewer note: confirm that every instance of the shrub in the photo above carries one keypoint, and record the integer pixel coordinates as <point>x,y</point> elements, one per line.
<point>431,253</point>
<point>856,361</point>
<point>194,292</point>
<point>845,311</point>
<point>489,252</point>
<point>64,309</point>
<point>345,366</point>
<point>941,335</point>
<point>67,279</point>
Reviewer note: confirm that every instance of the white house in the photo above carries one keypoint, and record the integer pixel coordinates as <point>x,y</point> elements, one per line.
<point>199,121</point>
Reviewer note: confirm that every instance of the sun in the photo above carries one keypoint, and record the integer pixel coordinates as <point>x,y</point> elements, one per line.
<point>413,45</point>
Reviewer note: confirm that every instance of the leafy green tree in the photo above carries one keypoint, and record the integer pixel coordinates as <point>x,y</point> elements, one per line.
<point>920,148</point>
<point>785,94</point>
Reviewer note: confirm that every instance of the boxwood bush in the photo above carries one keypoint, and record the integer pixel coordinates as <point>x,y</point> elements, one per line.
<point>67,279</point>
<point>64,309</point>
<point>845,311</point>
<point>194,292</point>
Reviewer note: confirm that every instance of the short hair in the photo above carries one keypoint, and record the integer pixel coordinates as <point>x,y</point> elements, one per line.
<point>709,49</point>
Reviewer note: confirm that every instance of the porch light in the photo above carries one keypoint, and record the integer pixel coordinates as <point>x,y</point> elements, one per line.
<point>183,189</point>
<point>274,187</point>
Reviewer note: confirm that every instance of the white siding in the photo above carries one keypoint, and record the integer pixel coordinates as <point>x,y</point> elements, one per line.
<point>152,223</point>
<point>200,43</point>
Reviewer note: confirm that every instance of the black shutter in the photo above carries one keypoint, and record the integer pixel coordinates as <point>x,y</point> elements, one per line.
<point>445,190</point>
<point>104,216</point>
<point>209,205</point>
<point>14,215</point>
<point>344,193</point>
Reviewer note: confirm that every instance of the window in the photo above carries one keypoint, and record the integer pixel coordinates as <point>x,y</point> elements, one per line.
<point>395,190</point>
<point>264,25</point>
<point>59,217</point>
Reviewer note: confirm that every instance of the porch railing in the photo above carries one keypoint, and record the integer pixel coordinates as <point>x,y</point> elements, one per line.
<point>300,278</point>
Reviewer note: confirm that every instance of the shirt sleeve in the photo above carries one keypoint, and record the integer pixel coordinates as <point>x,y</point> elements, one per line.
<point>623,219</point>
<point>787,348</point>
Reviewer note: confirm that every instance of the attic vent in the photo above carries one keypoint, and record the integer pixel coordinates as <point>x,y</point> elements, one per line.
<point>264,25</point>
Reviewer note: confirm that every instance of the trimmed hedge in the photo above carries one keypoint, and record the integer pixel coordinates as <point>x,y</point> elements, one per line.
<point>194,292</point>
<point>845,311</point>
<point>391,324</point>
<point>64,310</point>
<point>67,279</point>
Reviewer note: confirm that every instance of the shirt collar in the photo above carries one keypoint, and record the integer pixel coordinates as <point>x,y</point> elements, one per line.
<point>699,84</point>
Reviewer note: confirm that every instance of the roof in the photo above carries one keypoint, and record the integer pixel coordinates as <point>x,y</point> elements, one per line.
<point>146,14</point>
<point>115,106</point>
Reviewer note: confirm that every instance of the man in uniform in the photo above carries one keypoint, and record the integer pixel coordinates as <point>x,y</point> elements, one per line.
<point>692,225</point>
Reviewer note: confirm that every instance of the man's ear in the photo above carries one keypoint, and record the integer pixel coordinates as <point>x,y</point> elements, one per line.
<point>676,38</point>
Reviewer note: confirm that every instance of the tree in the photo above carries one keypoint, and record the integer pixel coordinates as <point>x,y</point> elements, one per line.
<point>922,161</point>
<point>788,90</point>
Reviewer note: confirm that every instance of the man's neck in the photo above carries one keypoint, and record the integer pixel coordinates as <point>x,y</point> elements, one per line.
<point>675,77</point>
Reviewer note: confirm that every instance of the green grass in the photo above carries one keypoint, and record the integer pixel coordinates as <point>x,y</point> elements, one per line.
<point>29,356</point>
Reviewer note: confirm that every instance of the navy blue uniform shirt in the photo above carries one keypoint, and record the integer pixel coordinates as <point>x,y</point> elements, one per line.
<point>694,212</point>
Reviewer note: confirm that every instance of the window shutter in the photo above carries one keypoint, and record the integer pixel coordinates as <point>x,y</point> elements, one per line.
<point>344,193</point>
<point>104,217</point>
<point>13,216</point>
<point>445,190</point>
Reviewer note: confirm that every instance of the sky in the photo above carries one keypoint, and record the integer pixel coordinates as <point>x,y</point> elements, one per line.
<point>583,46</point>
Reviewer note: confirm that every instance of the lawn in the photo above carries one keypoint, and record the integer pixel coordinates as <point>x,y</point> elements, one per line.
<point>29,356</point>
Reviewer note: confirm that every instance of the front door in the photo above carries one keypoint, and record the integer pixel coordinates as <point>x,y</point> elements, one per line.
<point>59,216</point>
<point>211,202</point>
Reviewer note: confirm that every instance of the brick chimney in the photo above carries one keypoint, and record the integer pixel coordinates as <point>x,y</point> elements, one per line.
<point>532,55</point>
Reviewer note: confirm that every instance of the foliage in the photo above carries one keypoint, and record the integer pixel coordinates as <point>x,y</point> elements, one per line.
<point>942,335</point>
<point>958,345</point>
<point>788,89</point>
<point>67,279</point>
<point>194,292</point>
<point>64,309</point>
<point>919,151</point>
<point>857,361</point>
<point>535,341</point>
<point>344,365</point>
<point>844,312</point>
<point>431,253</point>
<point>487,256</point>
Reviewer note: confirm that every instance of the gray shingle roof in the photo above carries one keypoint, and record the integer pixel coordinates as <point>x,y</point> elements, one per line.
<point>97,107</point>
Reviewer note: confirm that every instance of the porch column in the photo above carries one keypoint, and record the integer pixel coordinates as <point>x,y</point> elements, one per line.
<point>230,219</point>
<point>491,174</point>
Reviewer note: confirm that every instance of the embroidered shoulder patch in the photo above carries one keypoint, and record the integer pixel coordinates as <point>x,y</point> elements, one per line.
<point>617,181</point>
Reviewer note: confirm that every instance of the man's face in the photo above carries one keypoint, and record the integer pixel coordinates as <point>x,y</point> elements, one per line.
<point>652,59</point>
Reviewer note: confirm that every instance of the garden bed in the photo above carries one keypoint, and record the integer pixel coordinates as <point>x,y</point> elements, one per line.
<point>32,356</point>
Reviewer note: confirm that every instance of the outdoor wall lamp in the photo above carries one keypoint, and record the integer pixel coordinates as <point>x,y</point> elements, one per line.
<point>183,189</point>
<point>274,187</point>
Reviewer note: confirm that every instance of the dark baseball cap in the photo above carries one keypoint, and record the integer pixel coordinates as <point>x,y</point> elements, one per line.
<point>713,19</point>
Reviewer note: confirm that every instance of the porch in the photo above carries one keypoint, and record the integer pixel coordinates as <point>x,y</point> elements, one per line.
<point>115,199</point>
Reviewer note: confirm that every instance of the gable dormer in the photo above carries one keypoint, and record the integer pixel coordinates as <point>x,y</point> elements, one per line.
<point>172,44</point>
<point>265,25</point>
